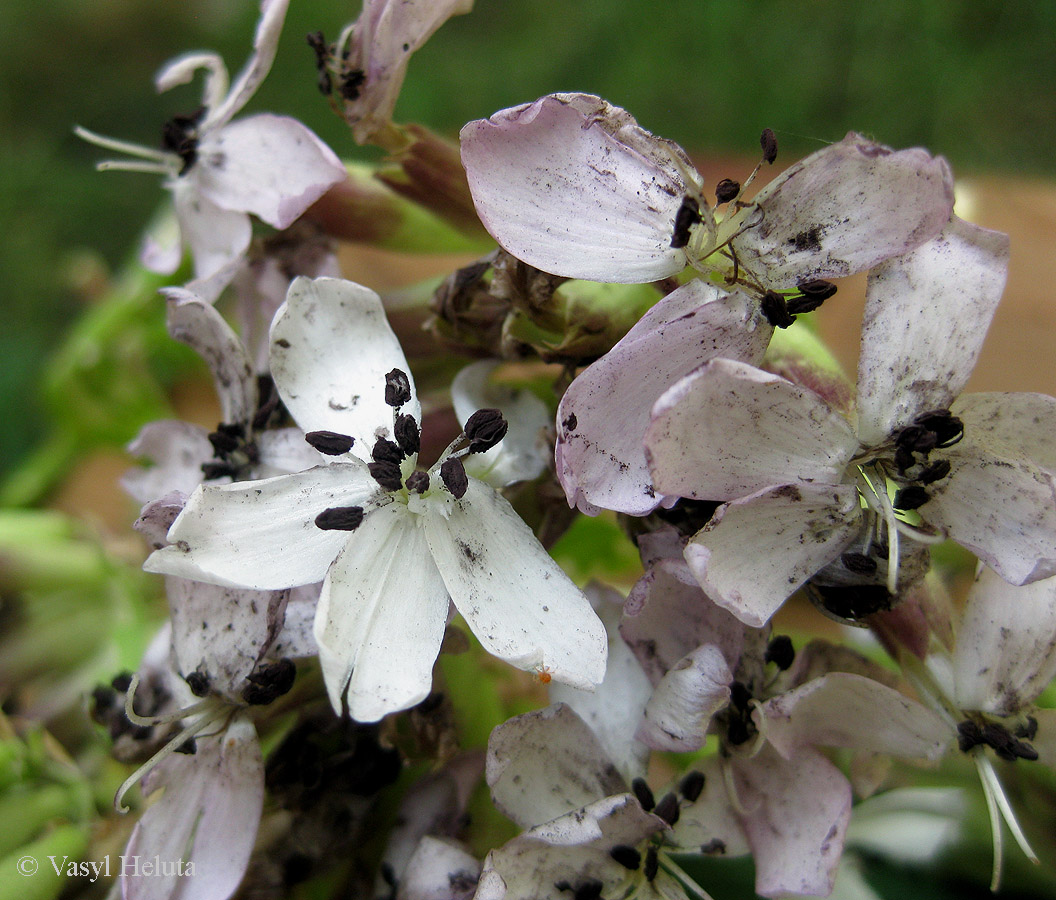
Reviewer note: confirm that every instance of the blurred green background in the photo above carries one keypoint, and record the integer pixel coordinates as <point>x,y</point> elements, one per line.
<point>972,79</point>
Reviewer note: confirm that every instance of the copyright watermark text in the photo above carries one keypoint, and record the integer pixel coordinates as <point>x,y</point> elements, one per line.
<point>125,866</point>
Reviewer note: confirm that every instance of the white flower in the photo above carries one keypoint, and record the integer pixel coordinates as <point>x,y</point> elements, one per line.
<point>220,171</point>
<point>393,545</point>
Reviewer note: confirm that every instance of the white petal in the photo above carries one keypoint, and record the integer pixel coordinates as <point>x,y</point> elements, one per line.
<point>1013,424</point>
<point>1002,508</point>
<point>524,452</point>
<point>710,821</point>
<point>796,817</point>
<point>162,247</point>
<point>519,603</point>
<point>296,639</point>
<point>604,414</point>
<point>926,315</point>
<point>197,324</point>
<point>439,870</point>
<point>262,534</point>
<point>545,764</point>
<point>177,450</point>
<point>1006,645</point>
<point>216,236</point>
<point>756,552</point>
<point>573,186</point>
<point>845,710</point>
<point>271,166</point>
<point>381,617</point>
<point>843,210</point>
<point>265,44</point>
<point>182,70</point>
<point>679,713</point>
<point>667,615</point>
<point>331,348</point>
<point>284,450</point>
<point>730,429</point>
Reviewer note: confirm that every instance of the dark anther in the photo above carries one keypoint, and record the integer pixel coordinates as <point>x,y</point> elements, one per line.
<point>198,682</point>
<point>776,310</point>
<point>340,518</point>
<point>1005,745</point>
<point>387,474</point>
<point>969,735</point>
<point>780,652</point>
<point>915,438</point>
<point>418,482</point>
<point>385,450</point>
<point>485,428</point>
<point>667,808</point>
<point>911,497</point>
<point>322,52</point>
<point>805,304</point>
<point>397,388</point>
<point>691,786</point>
<point>226,438</point>
<point>948,429</point>
<point>740,696</point>
<point>188,746</point>
<point>768,141</point>
<point>626,856</point>
<point>715,847</point>
<point>351,82</point>
<point>562,885</point>
<point>588,890</point>
<point>329,442</point>
<point>212,470</point>
<point>859,563</point>
<point>453,474</point>
<point>904,459</point>
<point>1028,731</point>
<point>407,433</point>
<point>180,136</point>
<point>818,288</point>
<point>103,698</point>
<point>652,864</point>
<point>121,683</point>
<point>935,472</point>
<point>687,216</point>
<point>726,190</point>
<point>851,602</point>
<point>269,682</point>
<point>644,794</point>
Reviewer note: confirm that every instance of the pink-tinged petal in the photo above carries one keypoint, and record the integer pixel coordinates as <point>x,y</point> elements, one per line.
<point>331,348</point>
<point>262,534</point>
<point>667,615</point>
<point>615,708</point>
<point>197,324</point>
<point>575,849</point>
<point>208,816</point>
<point>845,710</point>
<point>182,69</point>
<point>271,166</point>
<point>796,815</point>
<point>1002,508</point>
<point>679,713</point>
<point>216,236</point>
<point>1006,645</point>
<point>926,315</point>
<point>1013,424</point>
<point>1045,739</point>
<point>439,870</point>
<point>265,44</point>
<point>756,552</point>
<point>544,764</point>
<point>381,617</point>
<point>844,209</point>
<point>525,452</point>
<point>573,186</point>
<point>604,414</point>
<point>221,632</point>
<point>730,429</point>
<point>177,450</point>
<point>519,603</point>
<point>710,824</point>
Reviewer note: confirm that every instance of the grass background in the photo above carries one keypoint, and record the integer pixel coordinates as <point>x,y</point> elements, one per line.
<point>971,79</point>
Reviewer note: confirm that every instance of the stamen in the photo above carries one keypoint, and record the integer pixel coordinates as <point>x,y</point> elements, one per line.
<point>911,497</point>
<point>123,147</point>
<point>485,428</point>
<point>687,216</point>
<point>667,809</point>
<point>626,856</point>
<point>150,721</point>
<point>269,682</point>
<point>780,652</point>
<point>453,474</point>
<point>652,863</point>
<point>146,168</point>
<point>775,309</point>
<point>418,482</point>
<point>726,190</point>
<point>340,518</point>
<point>397,388</point>
<point>387,474</point>
<point>198,682</point>
<point>692,785</point>
<point>330,443</point>
<point>996,794</point>
<point>768,142</point>
<point>385,450</point>
<point>407,433</point>
<point>644,794</point>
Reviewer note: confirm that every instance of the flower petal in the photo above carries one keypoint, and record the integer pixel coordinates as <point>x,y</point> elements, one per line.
<point>604,414</point>
<point>730,429</point>
<point>381,617</point>
<point>268,165</point>
<point>1013,424</point>
<point>177,450</point>
<point>439,870</point>
<point>709,824</point>
<point>756,552</point>
<point>262,534</point>
<point>546,763</point>
<point>843,210</point>
<point>331,348</point>
<point>520,604</point>
<point>197,324</point>
<point>216,236</point>
<point>1006,645</point>
<point>296,640</point>
<point>845,710</point>
<point>926,315</point>
<point>573,186</point>
<point>679,713</point>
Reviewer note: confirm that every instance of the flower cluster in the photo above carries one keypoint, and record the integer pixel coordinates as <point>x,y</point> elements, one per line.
<point>363,529</point>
